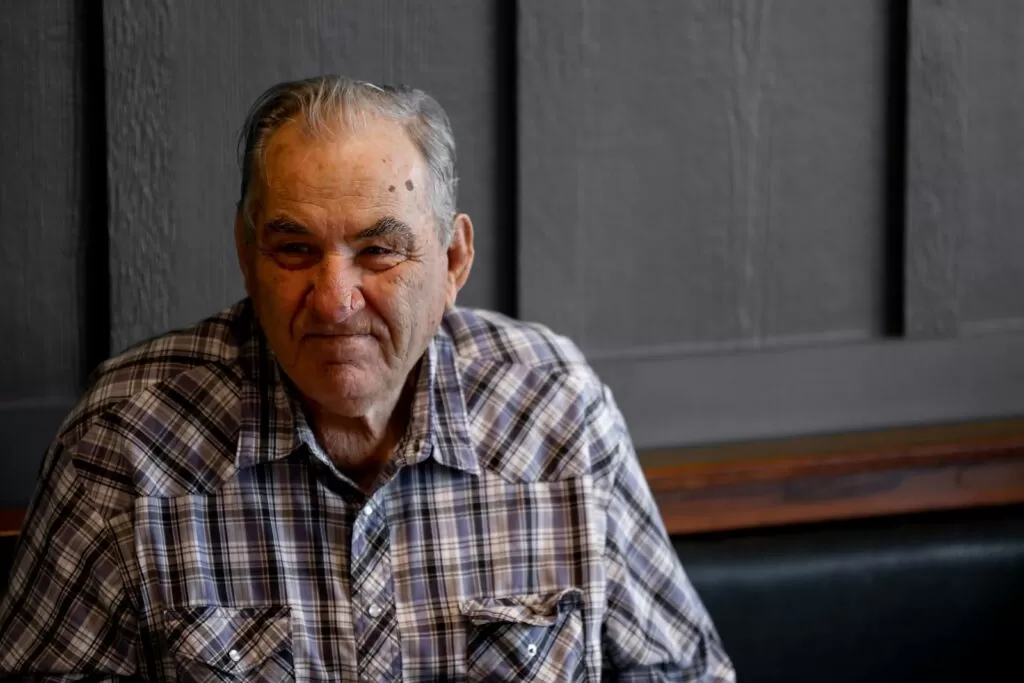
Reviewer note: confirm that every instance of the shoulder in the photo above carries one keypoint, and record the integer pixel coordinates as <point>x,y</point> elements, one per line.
<point>156,401</point>
<point>215,340</point>
<point>494,337</point>
<point>537,409</point>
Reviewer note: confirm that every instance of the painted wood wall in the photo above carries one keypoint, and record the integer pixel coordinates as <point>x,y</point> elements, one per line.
<point>759,219</point>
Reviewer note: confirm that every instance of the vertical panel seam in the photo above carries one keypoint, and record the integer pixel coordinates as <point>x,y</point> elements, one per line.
<point>894,223</point>
<point>94,199</point>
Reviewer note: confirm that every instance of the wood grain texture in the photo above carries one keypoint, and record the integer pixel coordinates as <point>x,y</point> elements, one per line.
<point>766,492</point>
<point>181,76</point>
<point>702,175</point>
<point>10,521</point>
<point>42,184</point>
<point>151,275</point>
<point>964,201</point>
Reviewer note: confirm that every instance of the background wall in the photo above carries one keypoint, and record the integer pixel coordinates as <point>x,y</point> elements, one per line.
<point>758,219</point>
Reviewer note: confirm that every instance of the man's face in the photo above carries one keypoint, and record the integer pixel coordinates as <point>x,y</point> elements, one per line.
<point>347,273</point>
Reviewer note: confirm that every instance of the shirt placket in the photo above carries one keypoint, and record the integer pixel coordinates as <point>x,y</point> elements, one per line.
<point>373,596</point>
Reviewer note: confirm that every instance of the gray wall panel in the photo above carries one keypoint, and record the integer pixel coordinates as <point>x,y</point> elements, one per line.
<point>965,205</point>
<point>708,196</point>
<point>181,75</point>
<point>702,174</point>
<point>672,402</point>
<point>26,431</point>
<point>51,213</point>
<point>42,258</point>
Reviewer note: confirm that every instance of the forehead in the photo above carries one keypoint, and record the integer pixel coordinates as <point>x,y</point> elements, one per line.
<point>377,161</point>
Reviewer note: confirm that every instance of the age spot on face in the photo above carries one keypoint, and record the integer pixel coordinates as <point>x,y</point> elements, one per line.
<point>409,186</point>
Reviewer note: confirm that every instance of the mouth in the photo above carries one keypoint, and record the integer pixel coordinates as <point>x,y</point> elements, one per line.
<point>343,349</point>
<point>339,343</point>
<point>346,335</point>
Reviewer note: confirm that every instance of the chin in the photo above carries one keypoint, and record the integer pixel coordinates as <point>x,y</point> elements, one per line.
<point>343,389</point>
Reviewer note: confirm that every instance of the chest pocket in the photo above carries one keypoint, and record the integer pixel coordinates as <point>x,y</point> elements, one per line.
<point>212,644</point>
<point>525,637</point>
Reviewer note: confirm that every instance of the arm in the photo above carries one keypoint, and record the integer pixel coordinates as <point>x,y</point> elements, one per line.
<point>66,615</point>
<point>655,628</point>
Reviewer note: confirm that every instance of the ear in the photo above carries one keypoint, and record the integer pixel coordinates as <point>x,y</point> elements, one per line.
<point>460,257</point>
<point>244,248</point>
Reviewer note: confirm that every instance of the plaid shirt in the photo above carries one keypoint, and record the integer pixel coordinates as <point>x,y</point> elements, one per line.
<point>188,527</point>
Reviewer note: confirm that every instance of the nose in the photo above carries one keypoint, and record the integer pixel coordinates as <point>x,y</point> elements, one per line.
<point>335,294</point>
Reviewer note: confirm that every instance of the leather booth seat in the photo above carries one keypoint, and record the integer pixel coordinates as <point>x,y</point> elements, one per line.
<point>929,598</point>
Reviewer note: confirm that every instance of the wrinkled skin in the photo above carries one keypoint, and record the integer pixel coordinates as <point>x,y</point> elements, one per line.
<point>349,278</point>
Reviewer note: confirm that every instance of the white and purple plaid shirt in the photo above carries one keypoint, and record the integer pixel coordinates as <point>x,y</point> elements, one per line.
<point>188,528</point>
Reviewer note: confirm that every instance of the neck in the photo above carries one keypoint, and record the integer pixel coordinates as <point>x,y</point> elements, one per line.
<point>361,446</point>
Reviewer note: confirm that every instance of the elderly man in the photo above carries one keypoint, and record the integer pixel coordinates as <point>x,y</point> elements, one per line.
<point>345,477</point>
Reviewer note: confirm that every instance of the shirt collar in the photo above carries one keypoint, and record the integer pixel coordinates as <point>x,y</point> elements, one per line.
<point>271,424</point>
<point>439,427</point>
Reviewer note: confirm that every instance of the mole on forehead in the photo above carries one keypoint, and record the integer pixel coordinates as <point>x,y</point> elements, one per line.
<point>294,165</point>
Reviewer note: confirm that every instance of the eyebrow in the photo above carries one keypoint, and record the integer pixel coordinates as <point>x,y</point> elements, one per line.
<point>388,226</point>
<point>286,226</point>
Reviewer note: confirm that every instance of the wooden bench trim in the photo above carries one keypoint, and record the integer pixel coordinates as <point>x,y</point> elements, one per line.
<point>10,521</point>
<point>744,493</point>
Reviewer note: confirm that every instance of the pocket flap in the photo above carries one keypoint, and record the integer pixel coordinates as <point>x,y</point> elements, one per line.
<point>534,609</point>
<point>229,639</point>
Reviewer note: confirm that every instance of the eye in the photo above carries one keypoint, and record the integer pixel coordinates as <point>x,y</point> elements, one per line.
<point>298,248</point>
<point>294,255</point>
<point>378,251</point>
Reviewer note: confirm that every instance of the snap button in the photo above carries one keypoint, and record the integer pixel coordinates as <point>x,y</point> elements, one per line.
<point>235,655</point>
<point>375,611</point>
<point>368,509</point>
<point>531,650</point>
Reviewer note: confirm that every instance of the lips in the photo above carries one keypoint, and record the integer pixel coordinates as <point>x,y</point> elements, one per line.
<point>340,347</point>
<point>338,339</point>
<point>346,335</point>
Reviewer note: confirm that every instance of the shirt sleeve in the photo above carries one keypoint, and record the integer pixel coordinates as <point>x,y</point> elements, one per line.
<point>66,615</point>
<point>655,627</point>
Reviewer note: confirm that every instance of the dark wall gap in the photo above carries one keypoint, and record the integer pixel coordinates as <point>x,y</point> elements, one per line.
<point>894,223</point>
<point>94,208</point>
<point>506,229</point>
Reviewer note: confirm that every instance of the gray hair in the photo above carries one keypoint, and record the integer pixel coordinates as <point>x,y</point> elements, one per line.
<point>321,103</point>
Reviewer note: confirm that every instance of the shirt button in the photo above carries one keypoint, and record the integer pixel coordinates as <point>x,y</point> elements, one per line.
<point>375,611</point>
<point>531,650</point>
<point>368,509</point>
<point>235,655</point>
